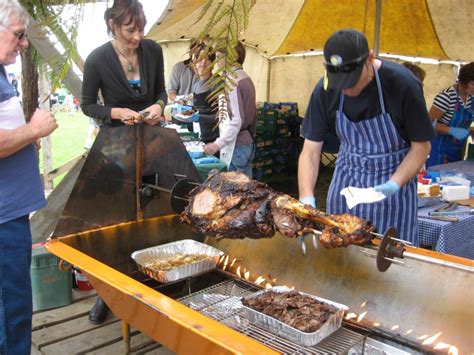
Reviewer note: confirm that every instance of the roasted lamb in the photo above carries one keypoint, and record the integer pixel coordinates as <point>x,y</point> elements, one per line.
<point>231,205</point>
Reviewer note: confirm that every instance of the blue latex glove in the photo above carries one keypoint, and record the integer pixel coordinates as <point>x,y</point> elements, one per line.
<point>459,133</point>
<point>307,200</point>
<point>471,191</point>
<point>388,189</point>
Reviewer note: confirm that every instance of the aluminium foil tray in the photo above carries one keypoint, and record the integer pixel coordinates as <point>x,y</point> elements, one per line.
<point>187,246</point>
<point>277,327</point>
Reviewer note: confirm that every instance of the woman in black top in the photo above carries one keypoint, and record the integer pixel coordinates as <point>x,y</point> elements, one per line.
<point>128,71</point>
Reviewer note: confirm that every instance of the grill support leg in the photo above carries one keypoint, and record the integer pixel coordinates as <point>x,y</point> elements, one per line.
<point>126,337</point>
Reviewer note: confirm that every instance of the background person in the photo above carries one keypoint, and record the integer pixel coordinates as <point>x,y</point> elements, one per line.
<point>183,76</point>
<point>452,110</point>
<point>21,191</point>
<point>203,58</point>
<point>129,73</point>
<point>236,132</point>
<point>418,71</point>
<point>377,110</point>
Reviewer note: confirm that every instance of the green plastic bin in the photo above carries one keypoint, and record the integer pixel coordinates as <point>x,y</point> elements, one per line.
<point>52,287</point>
<point>204,169</point>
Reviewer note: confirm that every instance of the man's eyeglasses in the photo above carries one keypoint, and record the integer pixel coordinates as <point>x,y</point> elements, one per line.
<point>347,67</point>
<point>18,34</point>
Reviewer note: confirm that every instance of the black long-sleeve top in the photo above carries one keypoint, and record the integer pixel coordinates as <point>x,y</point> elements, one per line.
<point>103,71</point>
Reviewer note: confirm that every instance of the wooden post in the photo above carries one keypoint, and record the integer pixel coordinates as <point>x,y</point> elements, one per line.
<point>46,146</point>
<point>126,337</point>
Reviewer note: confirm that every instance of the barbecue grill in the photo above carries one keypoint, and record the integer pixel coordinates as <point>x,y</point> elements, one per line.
<point>122,202</point>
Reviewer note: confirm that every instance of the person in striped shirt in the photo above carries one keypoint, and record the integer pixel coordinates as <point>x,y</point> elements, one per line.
<point>452,111</point>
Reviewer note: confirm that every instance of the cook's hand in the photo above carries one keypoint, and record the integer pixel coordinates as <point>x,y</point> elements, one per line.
<point>307,200</point>
<point>154,114</point>
<point>127,116</point>
<point>388,189</point>
<point>459,133</point>
<point>42,123</point>
<point>211,148</point>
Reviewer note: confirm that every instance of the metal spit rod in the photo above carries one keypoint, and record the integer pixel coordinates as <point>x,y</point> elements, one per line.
<point>366,252</point>
<point>378,235</point>
<point>374,256</point>
<point>162,189</point>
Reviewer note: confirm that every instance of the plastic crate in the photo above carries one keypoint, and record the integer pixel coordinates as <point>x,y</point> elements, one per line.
<point>262,164</point>
<point>267,113</point>
<point>289,108</point>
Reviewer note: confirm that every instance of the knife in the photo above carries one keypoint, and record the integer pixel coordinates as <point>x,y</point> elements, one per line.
<point>442,218</point>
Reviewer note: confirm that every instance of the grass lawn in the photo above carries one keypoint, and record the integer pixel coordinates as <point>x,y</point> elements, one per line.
<point>67,140</point>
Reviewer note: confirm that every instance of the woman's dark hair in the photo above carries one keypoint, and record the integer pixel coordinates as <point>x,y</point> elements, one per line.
<point>239,50</point>
<point>125,10</point>
<point>195,51</point>
<point>466,74</point>
<point>416,70</point>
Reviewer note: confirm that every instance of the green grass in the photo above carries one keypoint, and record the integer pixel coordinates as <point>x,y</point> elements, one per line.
<point>67,140</point>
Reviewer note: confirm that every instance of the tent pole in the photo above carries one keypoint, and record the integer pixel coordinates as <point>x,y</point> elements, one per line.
<point>268,79</point>
<point>378,16</point>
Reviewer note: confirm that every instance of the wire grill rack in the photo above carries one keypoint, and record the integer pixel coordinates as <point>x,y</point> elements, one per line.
<point>222,303</point>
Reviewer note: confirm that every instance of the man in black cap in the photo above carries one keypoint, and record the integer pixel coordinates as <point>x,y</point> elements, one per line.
<point>377,109</point>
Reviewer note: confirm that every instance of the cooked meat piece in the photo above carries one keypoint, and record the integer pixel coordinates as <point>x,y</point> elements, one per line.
<point>231,205</point>
<point>292,308</point>
<point>354,231</point>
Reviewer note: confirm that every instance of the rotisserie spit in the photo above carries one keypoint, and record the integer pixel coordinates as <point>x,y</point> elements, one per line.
<point>106,218</point>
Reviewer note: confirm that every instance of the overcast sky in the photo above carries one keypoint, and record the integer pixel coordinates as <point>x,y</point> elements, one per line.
<point>93,32</point>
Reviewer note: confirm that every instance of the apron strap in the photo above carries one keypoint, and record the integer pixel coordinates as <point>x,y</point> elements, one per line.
<point>379,88</point>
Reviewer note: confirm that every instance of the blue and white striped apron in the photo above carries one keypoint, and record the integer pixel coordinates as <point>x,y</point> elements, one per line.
<point>371,150</point>
<point>445,148</point>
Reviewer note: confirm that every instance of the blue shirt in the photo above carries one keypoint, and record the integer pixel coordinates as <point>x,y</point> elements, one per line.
<point>21,191</point>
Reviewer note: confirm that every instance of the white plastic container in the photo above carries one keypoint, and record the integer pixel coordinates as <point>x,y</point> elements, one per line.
<point>457,192</point>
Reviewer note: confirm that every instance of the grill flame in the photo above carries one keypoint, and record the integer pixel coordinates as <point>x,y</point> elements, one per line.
<point>351,315</point>
<point>453,350</point>
<point>441,346</point>
<point>361,316</point>
<point>431,339</point>
<point>259,280</point>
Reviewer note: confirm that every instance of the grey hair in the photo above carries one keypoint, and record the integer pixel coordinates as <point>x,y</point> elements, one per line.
<point>10,8</point>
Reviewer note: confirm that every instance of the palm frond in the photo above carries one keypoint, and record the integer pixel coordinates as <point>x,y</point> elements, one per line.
<point>64,29</point>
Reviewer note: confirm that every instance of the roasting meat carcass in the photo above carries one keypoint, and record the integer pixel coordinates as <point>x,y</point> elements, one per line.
<point>231,205</point>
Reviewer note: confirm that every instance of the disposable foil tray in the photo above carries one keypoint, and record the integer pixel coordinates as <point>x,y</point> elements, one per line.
<point>187,246</point>
<point>284,330</point>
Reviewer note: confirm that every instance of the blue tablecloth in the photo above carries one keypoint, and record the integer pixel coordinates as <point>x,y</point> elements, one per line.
<point>465,167</point>
<point>456,238</point>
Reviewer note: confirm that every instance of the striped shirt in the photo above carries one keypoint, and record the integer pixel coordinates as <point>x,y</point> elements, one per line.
<point>446,102</point>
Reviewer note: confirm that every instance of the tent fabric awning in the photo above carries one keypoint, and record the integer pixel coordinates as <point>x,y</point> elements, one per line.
<point>438,29</point>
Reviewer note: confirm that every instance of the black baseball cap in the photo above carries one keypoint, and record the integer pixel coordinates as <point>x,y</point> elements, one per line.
<point>345,53</point>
